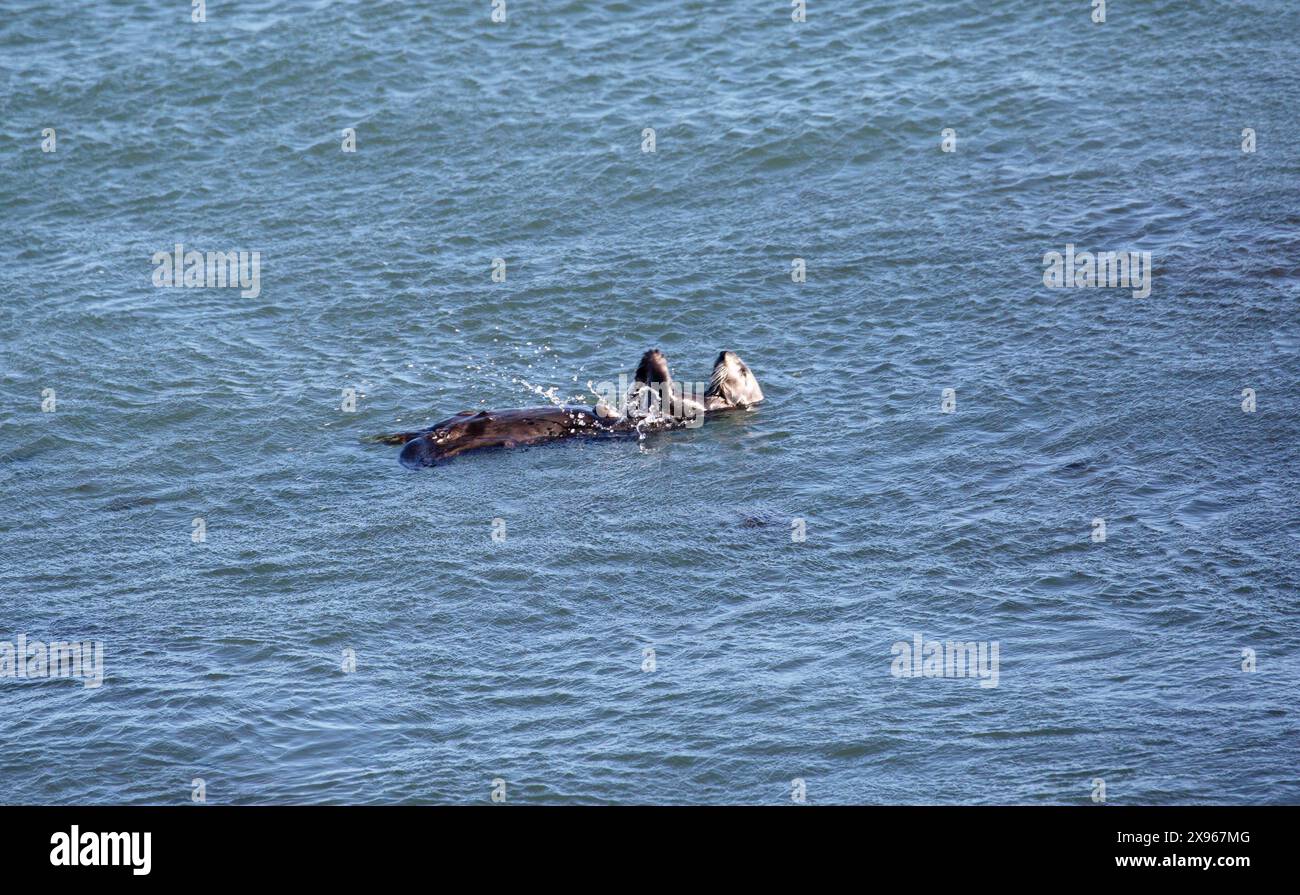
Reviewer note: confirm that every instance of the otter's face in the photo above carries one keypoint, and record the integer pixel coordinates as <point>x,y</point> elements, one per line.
<point>732,384</point>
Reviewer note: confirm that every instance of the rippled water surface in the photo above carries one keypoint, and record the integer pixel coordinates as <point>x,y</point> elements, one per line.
<point>522,659</point>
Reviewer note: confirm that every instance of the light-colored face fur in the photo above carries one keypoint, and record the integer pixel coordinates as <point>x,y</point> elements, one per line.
<point>732,384</point>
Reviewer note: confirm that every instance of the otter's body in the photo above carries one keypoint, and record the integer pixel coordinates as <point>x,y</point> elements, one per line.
<point>653,405</point>
<point>468,431</point>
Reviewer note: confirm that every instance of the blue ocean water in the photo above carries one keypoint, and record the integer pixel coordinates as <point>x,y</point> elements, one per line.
<point>478,659</point>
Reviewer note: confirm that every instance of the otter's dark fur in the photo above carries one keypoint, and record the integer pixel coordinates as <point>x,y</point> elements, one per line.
<point>652,404</point>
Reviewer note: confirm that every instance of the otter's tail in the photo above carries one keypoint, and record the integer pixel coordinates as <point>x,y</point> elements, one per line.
<point>394,438</point>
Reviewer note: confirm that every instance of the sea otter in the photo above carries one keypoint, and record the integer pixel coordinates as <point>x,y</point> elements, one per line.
<point>653,403</point>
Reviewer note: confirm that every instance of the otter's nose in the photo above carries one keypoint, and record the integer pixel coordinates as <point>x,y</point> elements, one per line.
<point>418,453</point>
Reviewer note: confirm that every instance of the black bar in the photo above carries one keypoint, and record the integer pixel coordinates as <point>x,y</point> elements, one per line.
<point>329,844</point>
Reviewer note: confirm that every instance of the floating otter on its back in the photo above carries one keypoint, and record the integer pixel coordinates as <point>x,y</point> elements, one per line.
<point>653,403</point>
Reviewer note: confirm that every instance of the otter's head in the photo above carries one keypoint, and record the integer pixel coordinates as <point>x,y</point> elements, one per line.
<point>732,384</point>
